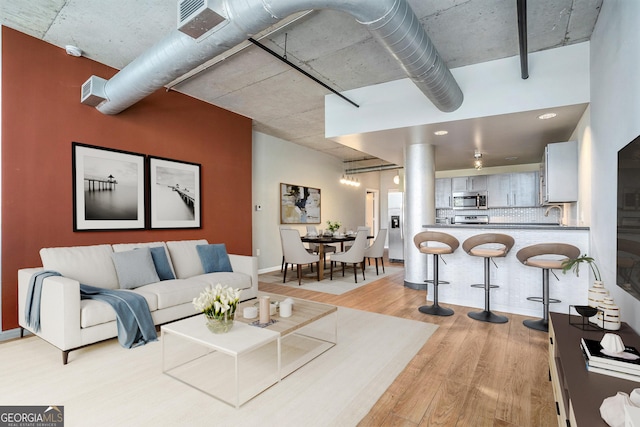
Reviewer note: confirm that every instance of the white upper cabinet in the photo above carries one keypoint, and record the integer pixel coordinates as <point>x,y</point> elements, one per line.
<point>443,193</point>
<point>498,189</point>
<point>524,187</point>
<point>512,190</point>
<point>469,183</point>
<point>559,183</point>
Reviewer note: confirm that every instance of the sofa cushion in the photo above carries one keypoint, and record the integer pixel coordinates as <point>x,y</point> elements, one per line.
<point>234,280</point>
<point>158,260</point>
<point>185,259</point>
<point>94,312</point>
<point>214,258</point>
<point>90,265</point>
<point>174,292</point>
<point>135,268</point>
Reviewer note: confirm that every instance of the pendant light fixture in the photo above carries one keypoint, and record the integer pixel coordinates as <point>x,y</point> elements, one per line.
<point>348,179</point>
<point>477,163</point>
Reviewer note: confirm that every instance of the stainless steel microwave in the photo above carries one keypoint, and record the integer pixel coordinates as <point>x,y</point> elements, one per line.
<point>470,200</point>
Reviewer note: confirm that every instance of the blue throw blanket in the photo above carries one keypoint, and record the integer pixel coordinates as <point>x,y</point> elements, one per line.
<point>34,292</point>
<point>135,325</point>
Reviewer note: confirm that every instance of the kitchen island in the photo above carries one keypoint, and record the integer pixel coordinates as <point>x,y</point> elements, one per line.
<point>516,281</point>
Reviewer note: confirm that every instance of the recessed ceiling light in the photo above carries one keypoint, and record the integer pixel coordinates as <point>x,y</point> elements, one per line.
<point>441,132</point>
<point>547,116</point>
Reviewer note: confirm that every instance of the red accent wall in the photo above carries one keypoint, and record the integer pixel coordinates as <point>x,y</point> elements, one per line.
<point>41,117</point>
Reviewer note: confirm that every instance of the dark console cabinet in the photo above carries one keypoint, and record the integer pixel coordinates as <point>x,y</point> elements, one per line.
<point>578,392</point>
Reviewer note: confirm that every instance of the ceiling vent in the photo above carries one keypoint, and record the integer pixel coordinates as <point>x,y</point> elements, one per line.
<point>196,17</point>
<point>93,91</point>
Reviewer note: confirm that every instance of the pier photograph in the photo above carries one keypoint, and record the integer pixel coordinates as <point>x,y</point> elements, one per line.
<point>109,189</point>
<point>175,194</point>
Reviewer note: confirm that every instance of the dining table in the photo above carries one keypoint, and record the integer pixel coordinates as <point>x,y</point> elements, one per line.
<point>321,241</point>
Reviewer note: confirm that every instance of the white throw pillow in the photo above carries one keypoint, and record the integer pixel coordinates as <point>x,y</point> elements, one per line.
<point>185,258</point>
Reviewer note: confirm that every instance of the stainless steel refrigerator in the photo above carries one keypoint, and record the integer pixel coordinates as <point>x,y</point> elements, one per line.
<point>396,224</point>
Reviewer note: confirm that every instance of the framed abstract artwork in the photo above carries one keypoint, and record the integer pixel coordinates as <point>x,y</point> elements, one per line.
<point>174,196</point>
<point>108,189</point>
<point>299,205</point>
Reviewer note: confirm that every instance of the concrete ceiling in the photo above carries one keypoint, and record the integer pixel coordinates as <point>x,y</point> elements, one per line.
<point>337,50</point>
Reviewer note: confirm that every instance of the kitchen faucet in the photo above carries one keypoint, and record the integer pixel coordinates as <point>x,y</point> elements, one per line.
<point>546,212</point>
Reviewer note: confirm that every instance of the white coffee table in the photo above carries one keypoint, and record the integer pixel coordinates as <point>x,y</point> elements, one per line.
<point>311,330</point>
<point>233,367</point>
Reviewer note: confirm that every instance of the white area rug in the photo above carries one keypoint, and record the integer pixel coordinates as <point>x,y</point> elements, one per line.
<point>106,385</point>
<point>338,286</point>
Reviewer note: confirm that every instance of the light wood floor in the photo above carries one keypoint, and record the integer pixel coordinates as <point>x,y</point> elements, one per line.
<point>469,373</point>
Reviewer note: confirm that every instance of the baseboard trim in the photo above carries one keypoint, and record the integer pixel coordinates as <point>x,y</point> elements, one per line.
<point>12,334</point>
<point>269,269</point>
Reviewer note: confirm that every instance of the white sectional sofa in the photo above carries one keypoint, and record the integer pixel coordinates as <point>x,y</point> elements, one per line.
<point>69,323</point>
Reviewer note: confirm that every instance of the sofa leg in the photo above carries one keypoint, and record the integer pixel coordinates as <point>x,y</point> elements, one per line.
<point>65,356</point>
<point>21,332</point>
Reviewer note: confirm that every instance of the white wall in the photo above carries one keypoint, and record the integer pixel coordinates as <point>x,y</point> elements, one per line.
<point>580,213</point>
<point>615,109</point>
<point>278,161</point>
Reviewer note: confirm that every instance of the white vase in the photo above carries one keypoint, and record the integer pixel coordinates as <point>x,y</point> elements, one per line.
<point>597,293</point>
<point>609,315</point>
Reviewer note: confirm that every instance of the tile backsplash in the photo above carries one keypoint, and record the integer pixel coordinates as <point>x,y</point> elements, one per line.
<point>507,215</point>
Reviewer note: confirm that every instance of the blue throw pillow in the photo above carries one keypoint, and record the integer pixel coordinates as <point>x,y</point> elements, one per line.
<point>160,260</point>
<point>214,258</point>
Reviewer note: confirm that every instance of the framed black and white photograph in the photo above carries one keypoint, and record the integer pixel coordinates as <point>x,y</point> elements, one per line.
<point>108,189</point>
<point>299,205</point>
<point>174,193</point>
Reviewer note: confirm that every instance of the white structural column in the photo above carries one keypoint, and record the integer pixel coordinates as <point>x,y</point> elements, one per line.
<point>419,203</point>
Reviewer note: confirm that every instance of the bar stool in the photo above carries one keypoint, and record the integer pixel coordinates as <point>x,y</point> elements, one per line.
<point>488,246</point>
<point>528,256</point>
<point>445,244</point>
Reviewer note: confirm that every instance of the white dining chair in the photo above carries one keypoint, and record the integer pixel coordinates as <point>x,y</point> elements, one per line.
<point>311,251</point>
<point>376,250</point>
<point>311,231</point>
<point>295,253</point>
<point>355,255</point>
<point>347,245</point>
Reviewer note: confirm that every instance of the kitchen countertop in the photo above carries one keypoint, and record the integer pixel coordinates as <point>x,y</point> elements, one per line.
<point>498,226</point>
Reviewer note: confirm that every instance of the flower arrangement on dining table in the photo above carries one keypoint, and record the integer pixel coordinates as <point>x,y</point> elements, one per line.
<point>333,226</point>
<point>219,305</point>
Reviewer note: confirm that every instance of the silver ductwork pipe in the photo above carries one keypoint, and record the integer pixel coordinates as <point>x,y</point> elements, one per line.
<point>392,22</point>
<point>372,169</point>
